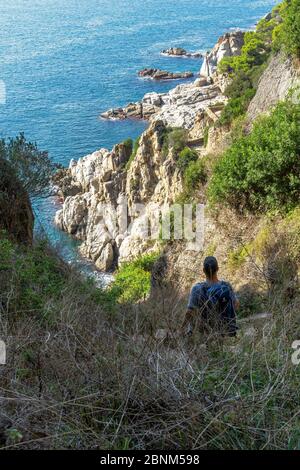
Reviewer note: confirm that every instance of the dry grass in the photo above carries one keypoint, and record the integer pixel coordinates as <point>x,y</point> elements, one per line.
<point>93,379</point>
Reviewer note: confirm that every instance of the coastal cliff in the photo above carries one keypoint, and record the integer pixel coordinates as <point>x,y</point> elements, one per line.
<point>281,76</point>
<point>148,172</point>
<point>152,177</point>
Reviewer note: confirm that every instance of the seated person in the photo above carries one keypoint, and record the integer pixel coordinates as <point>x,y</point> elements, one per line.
<point>212,304</point>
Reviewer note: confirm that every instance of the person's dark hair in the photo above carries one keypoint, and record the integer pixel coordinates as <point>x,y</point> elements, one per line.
<point>210,266</point>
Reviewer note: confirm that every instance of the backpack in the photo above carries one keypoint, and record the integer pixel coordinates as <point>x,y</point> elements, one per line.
<point>218,309</point>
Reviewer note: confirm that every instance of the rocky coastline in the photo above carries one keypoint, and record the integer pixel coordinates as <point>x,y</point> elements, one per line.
<point>95,186</point>
<point>180,105</point>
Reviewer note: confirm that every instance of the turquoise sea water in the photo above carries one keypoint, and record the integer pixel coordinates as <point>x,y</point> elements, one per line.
<point>65,61</point>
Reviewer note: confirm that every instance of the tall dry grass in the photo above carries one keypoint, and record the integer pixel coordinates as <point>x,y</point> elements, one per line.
<point>85,377</point>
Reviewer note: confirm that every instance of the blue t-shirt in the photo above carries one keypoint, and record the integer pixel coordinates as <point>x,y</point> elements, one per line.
<point>196,296</point>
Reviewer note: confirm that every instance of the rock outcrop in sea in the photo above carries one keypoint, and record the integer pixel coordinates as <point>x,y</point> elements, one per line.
<point>178,108</point>
<point>185,99</point>
<point>157,74</point>
<point>180,52</point>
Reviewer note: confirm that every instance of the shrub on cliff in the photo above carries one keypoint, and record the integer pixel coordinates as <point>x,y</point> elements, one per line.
<point>194,175</point>
<point>236,107</point>
<point>16,216</point>
<point>133,280</point>
<point>254,52</point>
<point>246,69</point>
<point>128,144</point>
<point>175,139</point>
<point>134,148</point>
<point>37,276</point>
<point>261,171</point>
<point>32,167</point>
<point>186,156</point>
<point>287,34</point>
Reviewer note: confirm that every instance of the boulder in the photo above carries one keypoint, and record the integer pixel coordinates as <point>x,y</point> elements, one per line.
<point>180,52</point>
<point>153,98</point>
<point>201,82</point>
<point>106,258</point>
<point>157,74</point>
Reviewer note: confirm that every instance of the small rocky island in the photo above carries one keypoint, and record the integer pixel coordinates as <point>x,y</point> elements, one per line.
<point>179,52</point>
<point>157,74</point>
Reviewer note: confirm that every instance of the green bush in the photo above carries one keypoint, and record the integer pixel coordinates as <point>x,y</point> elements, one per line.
<point>254,52</point>
<point>246,69</point>
<point>175,139</point>
<point>34,281</point>
<point>32,167</point>
<point>186,156</point>
<point>206,136</point>
<point>287,34</point>
<point>128,143</point>
<point>194,175</point>
<point>133,280</point>
<point>239,85</point>
<point>36,274</point>
<point>236,107</point>
<point>261,171</point>
<point>134,149</point>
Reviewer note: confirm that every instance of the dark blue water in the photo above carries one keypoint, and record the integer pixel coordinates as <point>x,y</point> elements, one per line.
<point>65,61</point>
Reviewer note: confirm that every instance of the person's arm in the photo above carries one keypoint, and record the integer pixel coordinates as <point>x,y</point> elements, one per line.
<point>191,311</point>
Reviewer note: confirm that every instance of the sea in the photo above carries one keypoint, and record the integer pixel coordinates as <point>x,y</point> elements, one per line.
<point>63,62</point>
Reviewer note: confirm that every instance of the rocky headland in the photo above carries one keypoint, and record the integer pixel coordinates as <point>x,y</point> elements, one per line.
<point>180,106</point>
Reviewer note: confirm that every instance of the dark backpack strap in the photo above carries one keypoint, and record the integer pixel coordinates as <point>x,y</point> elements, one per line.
<point>204,301</point>
<point>227,310</point>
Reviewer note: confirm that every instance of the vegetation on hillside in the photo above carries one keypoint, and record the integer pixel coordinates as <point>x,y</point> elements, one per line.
<point>280,32</point>
<point>103,379</point>
<point>132,280</point>
<point>260,171</point>
<point>245,70</point>
<point>175,139</point>
<point>132,147</point>
<point>287,34</point>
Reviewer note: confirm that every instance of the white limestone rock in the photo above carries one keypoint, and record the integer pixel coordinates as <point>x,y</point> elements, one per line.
<point>227,46</point>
